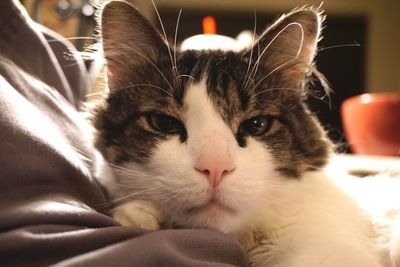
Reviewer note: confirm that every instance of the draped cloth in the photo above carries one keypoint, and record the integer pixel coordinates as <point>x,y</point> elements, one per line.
<point>52,209</point>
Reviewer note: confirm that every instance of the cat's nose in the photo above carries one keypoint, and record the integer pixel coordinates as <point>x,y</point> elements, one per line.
<point>215,169</point>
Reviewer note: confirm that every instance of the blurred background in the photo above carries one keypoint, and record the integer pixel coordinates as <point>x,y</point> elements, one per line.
<point>359,52</point>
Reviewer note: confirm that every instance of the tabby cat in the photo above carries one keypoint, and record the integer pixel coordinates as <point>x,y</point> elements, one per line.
<point>222,139</point>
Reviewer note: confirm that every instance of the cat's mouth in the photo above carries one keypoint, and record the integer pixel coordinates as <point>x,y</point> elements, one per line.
<point>211,204</point>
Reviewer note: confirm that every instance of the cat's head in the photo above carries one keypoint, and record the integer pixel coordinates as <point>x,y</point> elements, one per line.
<point>209,136</point>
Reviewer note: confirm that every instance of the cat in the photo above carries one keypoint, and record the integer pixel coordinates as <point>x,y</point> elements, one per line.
<point>223,140</point>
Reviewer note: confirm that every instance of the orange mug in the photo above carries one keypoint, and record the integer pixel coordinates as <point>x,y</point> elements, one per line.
<point>371,123</point>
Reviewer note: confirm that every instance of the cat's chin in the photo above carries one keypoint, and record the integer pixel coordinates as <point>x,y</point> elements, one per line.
<point>211,207</point>
<point>213,215</point>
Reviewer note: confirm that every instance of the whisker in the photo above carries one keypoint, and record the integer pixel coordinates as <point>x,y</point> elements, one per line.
<point>324,83</point>
<point>271,72</point>
<point>175,39</point>
<point>329,103</point>
<point>275,89</point>
<point>255,68</point>
<point>295,90</point>
<point>124,170</point>
<point>147,59</point>
<point>256,63</point>
<point>338,46</point>
<point>187,76</point>
<point>247,81</point>
<point>251,52</point>
<point>275,103</point>
<point>128,196</point>
<point>146,84</point>
<point>157,99</point>
<point>165,36</point>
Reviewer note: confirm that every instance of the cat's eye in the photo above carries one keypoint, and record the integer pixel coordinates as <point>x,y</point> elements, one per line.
<point>165,124</point>
<point>256,126</point>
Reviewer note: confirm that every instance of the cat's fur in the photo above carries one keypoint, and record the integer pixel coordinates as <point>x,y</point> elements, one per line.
<point>271,190</point>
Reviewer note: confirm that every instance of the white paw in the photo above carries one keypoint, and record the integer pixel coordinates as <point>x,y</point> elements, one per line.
<point>139,214</point>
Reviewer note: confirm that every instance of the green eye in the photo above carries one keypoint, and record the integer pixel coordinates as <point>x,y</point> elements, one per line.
<point>256,126</point>
<point>165,124</point>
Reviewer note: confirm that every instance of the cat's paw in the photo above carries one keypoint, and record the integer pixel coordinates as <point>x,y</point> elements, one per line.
<point>139,214</point>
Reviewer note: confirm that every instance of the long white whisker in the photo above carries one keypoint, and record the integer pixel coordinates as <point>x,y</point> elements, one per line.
<point>175,39</point>
<point>271,72</point>
<point>173,67</point>
<point>131,195</point>
<point>246,78</point>
<point>287,62</point>
<point>274,102</point>
<point>132,172</point>
<point>294,90</point>
<point>149,61</point>
<point>338,46</point>
<point>157,99</point>
<point>275,89</point>
<point>255,67</point>
<point>188,76</point>
<point>147,85</point>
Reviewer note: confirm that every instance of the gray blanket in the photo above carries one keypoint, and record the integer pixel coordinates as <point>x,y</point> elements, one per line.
<point>52,210</point>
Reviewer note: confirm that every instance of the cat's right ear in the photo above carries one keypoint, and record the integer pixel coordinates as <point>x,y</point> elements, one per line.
<point>129,41</point>
<point>289,45</point>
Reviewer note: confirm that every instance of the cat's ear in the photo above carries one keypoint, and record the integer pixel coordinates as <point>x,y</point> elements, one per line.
<point>129,41</point>
<point>289,45</point>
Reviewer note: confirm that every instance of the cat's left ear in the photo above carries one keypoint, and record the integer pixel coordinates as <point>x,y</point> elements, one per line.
<point>129,42</point>
<point>289,45</point>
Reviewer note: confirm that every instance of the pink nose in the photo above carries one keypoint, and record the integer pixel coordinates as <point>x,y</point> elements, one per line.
<point>214,169</point>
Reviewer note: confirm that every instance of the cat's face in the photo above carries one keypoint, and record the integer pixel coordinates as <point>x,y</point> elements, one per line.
<point>208,136</point>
